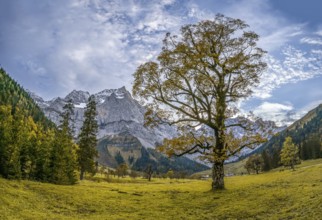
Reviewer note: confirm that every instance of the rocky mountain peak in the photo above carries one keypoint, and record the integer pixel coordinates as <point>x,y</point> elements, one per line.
<point>119,93</point>
<point>34,96</point>
<point>77,96</point>
<point>117,112</point>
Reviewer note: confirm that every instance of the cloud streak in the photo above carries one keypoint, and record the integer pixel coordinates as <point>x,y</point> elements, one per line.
<point>90,45</point>
<point>97,44</point>
<point>280,113</point>
<point>294,66</point>
<point>53,47</point>
<point>314,41</point>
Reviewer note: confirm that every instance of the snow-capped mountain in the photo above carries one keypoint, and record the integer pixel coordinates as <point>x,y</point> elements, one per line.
<point>117,112</point>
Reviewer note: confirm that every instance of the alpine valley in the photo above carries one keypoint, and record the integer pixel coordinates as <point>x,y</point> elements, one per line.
<point>122,134</point>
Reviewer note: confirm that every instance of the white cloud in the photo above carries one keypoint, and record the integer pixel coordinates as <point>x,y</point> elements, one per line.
<point>305,109</point>
<point>276,32</point>
<point>88,44</point>
<point>97,44</point>
<point>308,40</point>
<point>319,32</point>
<point>274,29</point>
<point>316,51</point>
<point>294,66</point>
<point>280,113</point>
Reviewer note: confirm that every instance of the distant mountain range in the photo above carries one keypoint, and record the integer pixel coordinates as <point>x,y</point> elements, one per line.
<point>124,138</point>
<point>117,112</point>
<point>122,135</point>
<point>121,118</point>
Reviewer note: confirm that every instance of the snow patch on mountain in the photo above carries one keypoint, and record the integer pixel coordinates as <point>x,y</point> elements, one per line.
<point>80,105</point>
<point>118,112</point>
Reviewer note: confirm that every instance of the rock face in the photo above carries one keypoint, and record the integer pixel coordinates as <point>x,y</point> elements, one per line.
<point>122,135</point>
<point>121,119</point>
<point>117,112</point>
<point>116,148</point>
<point>125,148</point>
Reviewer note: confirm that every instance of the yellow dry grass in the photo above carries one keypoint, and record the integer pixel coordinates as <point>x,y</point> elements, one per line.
<point>274,195</point>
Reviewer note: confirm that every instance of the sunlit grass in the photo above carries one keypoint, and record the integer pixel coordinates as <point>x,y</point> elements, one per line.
<point>274,195</point>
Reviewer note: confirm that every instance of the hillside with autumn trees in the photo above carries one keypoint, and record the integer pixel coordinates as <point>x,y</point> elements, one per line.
<point>31,146</point>
<point>306,133</point>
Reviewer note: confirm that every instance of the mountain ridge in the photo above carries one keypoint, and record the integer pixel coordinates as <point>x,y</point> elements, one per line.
<point>121,130</point>
<point>119,112</point>
<point>306,133</point>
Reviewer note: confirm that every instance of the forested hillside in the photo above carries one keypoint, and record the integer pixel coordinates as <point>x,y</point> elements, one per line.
<point>30,145</point>
<point>306,133</point>
<point>12,94</point>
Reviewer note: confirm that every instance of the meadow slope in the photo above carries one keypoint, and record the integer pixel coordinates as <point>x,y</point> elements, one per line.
<point>274,195</point>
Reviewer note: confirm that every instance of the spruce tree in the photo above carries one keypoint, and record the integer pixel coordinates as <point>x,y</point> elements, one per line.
<point>87,140</point>
<point>9,150</point>
<point>64,160</point>
<point>266,161</point>
<point>44,148</point>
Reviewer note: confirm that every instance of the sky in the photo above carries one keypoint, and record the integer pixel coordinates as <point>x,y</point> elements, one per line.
<point>52,47</point>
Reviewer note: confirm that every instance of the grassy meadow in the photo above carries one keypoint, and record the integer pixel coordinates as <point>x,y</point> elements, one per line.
<point>237,168</point>
<point>274,195</point>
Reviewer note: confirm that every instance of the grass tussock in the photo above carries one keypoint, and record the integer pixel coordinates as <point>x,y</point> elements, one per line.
<point>275,195</point>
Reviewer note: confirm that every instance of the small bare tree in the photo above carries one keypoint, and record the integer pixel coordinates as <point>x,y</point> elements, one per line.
<point>148,172</point>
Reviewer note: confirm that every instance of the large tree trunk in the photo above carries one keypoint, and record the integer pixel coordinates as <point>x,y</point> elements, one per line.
<point>220,140</point>
<point>218,176</point>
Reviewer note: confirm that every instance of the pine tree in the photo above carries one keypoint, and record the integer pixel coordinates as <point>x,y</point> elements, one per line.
<point>63,159</point>
<point>44,148</point>
<point>27,141</point>
<point>289,153</point>
<point>5,137</point>
<point>266,161</point>
<point>67,121</point>
<point>25,144</point>
<point>87,139</point>
<point>9,149</point>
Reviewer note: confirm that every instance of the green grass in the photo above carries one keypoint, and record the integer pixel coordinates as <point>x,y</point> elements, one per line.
<point>274,195</point>
<point>237,168</point>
